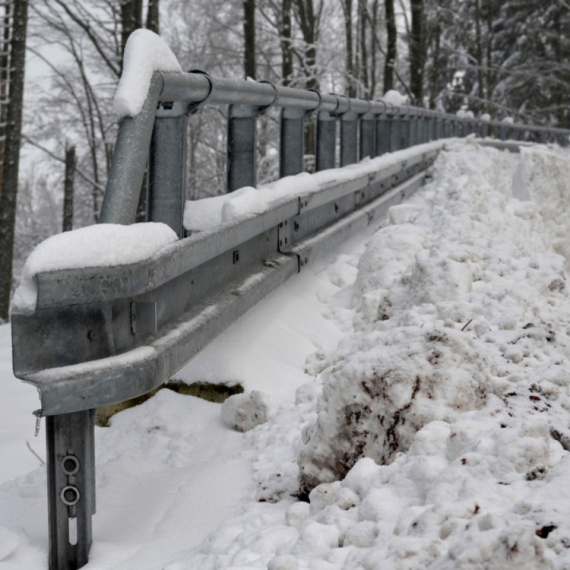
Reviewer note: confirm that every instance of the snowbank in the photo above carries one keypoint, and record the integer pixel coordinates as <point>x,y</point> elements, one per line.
<point>100,245</point>
<point>145,53</point>
<point>439,435</point>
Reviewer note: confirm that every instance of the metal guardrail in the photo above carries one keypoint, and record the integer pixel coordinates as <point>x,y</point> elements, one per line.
<point>104,335</point>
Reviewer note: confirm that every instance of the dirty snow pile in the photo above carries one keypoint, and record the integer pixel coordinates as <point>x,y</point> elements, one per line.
<point>434,435</point>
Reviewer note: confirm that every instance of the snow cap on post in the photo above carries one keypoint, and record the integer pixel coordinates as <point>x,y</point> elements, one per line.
<point>145,53</point>
<point>394,97</point>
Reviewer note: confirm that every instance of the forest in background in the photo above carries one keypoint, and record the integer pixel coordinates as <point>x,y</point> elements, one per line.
<point>506,58</point>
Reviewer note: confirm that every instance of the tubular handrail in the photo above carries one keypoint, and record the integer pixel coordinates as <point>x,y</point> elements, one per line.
<point>171,95</point>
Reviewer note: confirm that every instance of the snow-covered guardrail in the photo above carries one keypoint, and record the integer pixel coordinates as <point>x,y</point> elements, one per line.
<point>110,312</point>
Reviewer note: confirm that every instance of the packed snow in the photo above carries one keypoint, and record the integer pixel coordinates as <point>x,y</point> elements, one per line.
<point>425,425</point>
<point>395,98</point>
<point>101,245</point>
<point>211,213</point>
<point>145,53</point>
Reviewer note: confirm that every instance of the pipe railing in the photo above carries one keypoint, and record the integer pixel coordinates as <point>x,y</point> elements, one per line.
<point>367,128</point>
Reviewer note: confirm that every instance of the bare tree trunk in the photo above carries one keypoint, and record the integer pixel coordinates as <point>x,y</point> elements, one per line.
<point>479,53</point>
<point>9,188</point>
<point>417,55</point>
<point>152,16</point>
<point>70,163</point>
<point>436,68</point>
<point>308,20</point>
<point>391,45</point>
<point>4,80</point>
<point>363,56</point>
<point>349,60</point>
<point>490,76</point>
<point>374,48</point>
<point>131,19</point>
<point>285,41</point>
<point>249,38</point>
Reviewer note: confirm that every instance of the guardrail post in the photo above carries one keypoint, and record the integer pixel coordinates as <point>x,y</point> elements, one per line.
<point>484,129</point>
<point>348,138</point>
<point>71,488</point>
<point>414,130</point>
<point>395,133</point>
<point>431,128</point>
<point>368,136</point>
<point>166,192</point>
<point>242,146</point>
<point>405,131</point>
<point>326,141</point>
<point>129,160</point>
<point>292,142</point>
<point>383,134</point>
<point>439,126</point>
<point>502,132</point>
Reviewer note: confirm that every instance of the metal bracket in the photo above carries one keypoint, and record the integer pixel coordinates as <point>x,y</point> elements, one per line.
<point>264,109</point>
<point>196,106</point>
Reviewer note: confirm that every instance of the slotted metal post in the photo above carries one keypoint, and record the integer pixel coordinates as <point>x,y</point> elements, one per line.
<point>242,146</point>
<point>291,148</point>
<point>70,442</point>
<point>326,141</point>
<point>166,190</point>
<point>368,136</point>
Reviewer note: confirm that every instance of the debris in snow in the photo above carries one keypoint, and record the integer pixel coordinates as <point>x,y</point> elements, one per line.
<point>243,412</point>
<point>101,245</point>
<point>145,53</point>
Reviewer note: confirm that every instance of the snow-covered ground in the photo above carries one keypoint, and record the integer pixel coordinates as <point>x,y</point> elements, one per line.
<point>441,351</point>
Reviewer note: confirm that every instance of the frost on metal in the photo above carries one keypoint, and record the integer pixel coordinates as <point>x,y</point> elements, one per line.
<point>145,53</point>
